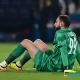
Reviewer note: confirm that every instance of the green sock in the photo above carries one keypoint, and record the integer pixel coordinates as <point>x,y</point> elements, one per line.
<point>25,59</point>
<point>15,53</point>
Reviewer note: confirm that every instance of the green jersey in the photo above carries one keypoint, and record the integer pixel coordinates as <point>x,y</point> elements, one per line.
<point>65,48</point>
<point>65,52</point>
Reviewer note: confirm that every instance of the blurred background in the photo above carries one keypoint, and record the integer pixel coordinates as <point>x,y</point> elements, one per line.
<point>34,19</point>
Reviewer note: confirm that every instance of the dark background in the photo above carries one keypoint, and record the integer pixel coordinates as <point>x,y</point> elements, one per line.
<point>34,19</point>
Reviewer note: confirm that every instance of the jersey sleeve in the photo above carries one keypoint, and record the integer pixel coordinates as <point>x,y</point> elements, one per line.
<point>62,44</point>
<point>64,56</point>
<point>78,54</point>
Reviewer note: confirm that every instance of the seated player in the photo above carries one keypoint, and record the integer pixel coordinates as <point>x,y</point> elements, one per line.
<point>63,57</point>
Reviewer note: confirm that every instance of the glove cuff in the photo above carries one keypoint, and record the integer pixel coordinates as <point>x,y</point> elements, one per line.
<point>65,67</point>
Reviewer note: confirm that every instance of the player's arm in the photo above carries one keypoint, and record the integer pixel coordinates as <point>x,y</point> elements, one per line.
<point>62,44</point>
<point>64,56</point>
<point>78,54</point>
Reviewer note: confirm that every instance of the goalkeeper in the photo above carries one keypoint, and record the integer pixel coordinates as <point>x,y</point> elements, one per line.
<point>63,57</point>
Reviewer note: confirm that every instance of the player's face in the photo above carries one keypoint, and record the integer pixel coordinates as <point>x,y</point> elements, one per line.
<point>57,23</point>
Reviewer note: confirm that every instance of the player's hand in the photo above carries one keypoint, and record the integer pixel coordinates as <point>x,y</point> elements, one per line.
<point>68,71</point>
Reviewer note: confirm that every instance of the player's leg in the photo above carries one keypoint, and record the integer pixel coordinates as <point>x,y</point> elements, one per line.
<point>45,60</point>
<point>41,45</point>
<point>31,48</point>
<point>18,65</point>
<point>14,54</point>
<point>25,44</point>
<point>25,59</point>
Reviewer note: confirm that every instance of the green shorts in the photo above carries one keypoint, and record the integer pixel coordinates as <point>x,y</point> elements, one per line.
<point>43,61</point>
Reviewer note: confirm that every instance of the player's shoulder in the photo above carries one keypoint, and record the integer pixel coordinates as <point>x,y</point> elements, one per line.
<point>60,33</point>
<point>72,34</point>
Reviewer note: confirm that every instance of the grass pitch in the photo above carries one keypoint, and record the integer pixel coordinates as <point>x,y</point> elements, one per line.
<point>28,73</point>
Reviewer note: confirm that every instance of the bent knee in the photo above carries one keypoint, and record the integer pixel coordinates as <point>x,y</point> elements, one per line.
<point>25,41</point>
<point>37,41</point>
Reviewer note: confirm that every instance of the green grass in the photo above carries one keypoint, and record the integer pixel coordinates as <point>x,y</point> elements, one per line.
<point>28,73</point>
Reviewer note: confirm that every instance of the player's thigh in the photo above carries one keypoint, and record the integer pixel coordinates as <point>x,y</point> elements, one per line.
<point>41,45</point>
<point>38,59</point>
<point>32,49</point>
<point>42,61</point>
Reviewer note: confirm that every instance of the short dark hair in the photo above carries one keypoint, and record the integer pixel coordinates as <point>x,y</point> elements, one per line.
<point>66,19</point>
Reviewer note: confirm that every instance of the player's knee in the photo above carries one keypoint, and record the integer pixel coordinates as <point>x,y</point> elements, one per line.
<point>37,41</point>
<point>25,41</point>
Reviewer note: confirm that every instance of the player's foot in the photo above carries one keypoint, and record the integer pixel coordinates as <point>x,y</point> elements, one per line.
<point>14,66</point>
<point>3,68</point>
<point>68,71</point>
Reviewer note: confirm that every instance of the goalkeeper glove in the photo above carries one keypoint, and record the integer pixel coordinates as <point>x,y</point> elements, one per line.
<point>68,71</point>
